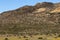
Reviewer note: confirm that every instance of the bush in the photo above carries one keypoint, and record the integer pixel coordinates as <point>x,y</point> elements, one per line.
<point>40,38</point>
<point>6,38</point>
<point>58,35</point>
<point>26,39</point>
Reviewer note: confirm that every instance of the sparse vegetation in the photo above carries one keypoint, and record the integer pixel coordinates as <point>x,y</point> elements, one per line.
<point>26,21</point>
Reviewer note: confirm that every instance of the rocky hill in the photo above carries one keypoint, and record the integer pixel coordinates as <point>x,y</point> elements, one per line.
<point>43,18</point>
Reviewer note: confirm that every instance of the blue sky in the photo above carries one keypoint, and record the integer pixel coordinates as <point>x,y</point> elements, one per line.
<point>13,4</point>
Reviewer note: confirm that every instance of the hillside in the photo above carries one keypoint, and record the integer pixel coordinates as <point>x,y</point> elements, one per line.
<point>43,18</point>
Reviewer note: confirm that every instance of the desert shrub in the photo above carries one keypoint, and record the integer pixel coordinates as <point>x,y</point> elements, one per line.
<point>26,39</point>
<point>40,38</point>
<point>58,35</point>
<point>30,35</point>
<point>59,13</point>
<point>6,39</point>
<point>19,37</point>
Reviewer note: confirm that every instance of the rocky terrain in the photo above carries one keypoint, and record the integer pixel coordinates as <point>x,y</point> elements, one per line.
<point>42,18</point>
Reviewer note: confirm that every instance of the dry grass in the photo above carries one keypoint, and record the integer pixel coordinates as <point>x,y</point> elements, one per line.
<point>56,10</point>
<point>33,37</point>
<point>41,10</point>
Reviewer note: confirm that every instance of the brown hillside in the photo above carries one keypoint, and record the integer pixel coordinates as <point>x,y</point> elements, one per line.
<point>43,18</point>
